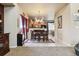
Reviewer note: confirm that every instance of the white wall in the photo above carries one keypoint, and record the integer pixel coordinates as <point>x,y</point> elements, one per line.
<point>11,14</point>
<point>69,34</point>
<point>75,24</point>
<point>63,35</point>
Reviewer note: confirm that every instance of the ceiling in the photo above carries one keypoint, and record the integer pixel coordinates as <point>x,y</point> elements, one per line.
<point>40,8</point>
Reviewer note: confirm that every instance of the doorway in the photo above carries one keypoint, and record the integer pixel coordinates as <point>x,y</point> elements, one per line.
<point>51,30</point>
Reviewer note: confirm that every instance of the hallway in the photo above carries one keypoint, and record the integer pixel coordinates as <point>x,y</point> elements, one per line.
<point>31,22</point>
<point>37,22</point>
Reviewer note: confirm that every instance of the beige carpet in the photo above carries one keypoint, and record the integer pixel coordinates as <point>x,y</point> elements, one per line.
<point>41,51</point>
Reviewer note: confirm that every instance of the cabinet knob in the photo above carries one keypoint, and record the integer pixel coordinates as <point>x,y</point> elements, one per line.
<point>0,21</point>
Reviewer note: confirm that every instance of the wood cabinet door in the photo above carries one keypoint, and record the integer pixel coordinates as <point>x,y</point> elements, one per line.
<point>1,18</point>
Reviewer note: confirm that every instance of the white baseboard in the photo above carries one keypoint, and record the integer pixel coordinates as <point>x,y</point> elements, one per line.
<point>69,45</point>
<point>13,46</point>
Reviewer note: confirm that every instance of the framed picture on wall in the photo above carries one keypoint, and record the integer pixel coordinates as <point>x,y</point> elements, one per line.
<point>60,22</point>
